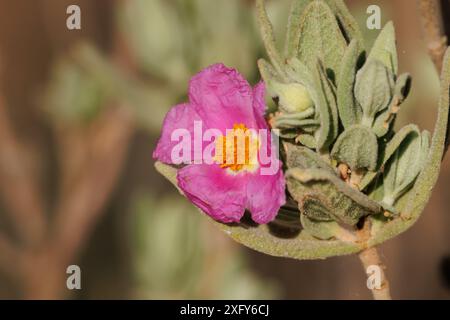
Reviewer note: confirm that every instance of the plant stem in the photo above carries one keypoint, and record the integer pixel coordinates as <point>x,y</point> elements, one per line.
<point>370,257</point>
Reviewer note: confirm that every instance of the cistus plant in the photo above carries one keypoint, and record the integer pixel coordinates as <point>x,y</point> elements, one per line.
<point>352,180</point>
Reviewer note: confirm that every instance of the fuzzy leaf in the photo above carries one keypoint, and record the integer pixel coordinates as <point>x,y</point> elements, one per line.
<point>405,165</point>
<point>300,73</point>
<point>268,73</point>
<point>323,230</point>
<point>269,37</point>
<point>357,147</point>
<point>350,112</point>
<point>385,48</point>
<point>307,140</point>
<point>418,197</point>
<point>384,122</point>
<point>348,204</point>
<point>321,37</point>
<point>329,94</point>
<point>293,27</point>
<point>389,151</point>
<point>347,22</point>
<point>304,158</point>
<point>282,243</point>
<point>376,191</point>
<point>313,207</point>
<point>289,134</point>
<point>373,90</point>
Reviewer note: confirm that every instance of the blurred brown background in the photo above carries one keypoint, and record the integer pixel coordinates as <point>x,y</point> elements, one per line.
<point>78,185</point>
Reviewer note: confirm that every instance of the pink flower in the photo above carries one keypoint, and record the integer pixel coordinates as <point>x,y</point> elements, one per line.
<point>222,99</point>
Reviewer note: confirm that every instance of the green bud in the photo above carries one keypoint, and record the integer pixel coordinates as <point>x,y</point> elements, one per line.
<point>293,97</point>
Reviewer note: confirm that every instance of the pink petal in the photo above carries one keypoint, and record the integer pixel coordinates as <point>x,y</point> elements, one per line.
<point>179,117</point>
<point>222,97</point>
<point>265,196</point>
<point>218,194</point>
<point>259,99</point>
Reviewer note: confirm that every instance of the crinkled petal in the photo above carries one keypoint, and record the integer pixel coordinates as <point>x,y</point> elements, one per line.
<point>259,100</point>
<point>222,97</point>
<point>265,196</point>
<point>179,117</point>
<point>212,189</point>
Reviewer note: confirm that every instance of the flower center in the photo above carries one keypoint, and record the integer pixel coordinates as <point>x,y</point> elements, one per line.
<point>237,151</point>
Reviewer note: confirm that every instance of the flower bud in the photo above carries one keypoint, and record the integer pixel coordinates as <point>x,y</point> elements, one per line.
<point>293,97</point>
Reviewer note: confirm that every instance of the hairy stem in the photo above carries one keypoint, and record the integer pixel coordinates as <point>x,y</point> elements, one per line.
<point>370,257</point>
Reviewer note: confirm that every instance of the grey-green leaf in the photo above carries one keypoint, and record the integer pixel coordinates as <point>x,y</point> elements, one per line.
<point>269,37</point>
<point>348,204</point>
<point>350,112</point>
<point>299,245</point>
<point>321,37</point>
<point>357,147</point>
<point>268,73</point>
<point>373,89</point>
<point>389,151</point>
<point>383,123</point>
<point>329,96</point>
<point>385,48</point>
<point>293,27</point>
<point>385,120</point>
<point>405,165</point>
<point>288,134</point>
<point>426,181</point>
<point>347,22</point>
<point>307,140</point>
<point>301,74</point>
<point>323,230</point>
<point>304,158</point>
<point>314,207</point>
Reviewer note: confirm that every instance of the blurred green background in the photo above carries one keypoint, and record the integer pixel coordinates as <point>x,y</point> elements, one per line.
<point>80,114</point>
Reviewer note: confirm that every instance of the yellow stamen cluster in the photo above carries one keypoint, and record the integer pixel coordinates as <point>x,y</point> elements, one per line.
<point>237,150</point>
